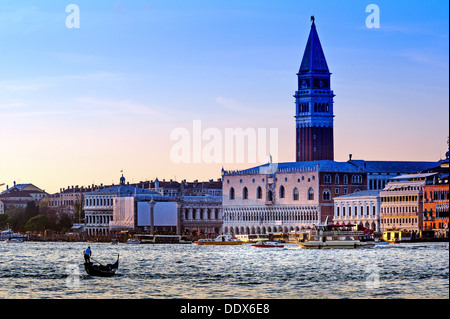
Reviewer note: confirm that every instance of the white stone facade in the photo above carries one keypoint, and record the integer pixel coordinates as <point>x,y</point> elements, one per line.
<point>296,197</point>
<point>201,216</point>
<point>360,208</point>
<point>98,213</point>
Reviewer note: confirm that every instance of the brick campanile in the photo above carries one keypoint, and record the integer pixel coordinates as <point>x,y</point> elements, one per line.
<point>314,104</point>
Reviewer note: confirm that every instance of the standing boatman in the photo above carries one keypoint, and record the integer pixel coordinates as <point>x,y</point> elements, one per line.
<point>87,254</point>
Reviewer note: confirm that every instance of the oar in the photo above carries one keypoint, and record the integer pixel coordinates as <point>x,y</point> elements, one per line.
<point>96,261</point>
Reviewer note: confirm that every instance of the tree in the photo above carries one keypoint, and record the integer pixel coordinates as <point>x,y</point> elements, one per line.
<point>79,212</point>
<point>64,223</point>
<point>37,223</point>
<point>31,210</point>
<point>3,221</point>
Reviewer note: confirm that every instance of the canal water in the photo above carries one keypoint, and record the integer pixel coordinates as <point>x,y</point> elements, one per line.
<point>34,270</point>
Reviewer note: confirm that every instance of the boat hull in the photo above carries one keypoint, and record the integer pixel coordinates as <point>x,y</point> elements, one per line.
<point>267,246</point>
<point>232,243</point>
<point>100,270</point>
<point>335,245</point>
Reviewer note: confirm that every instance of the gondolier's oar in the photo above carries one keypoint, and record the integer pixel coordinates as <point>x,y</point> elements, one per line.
<point>96,261</point>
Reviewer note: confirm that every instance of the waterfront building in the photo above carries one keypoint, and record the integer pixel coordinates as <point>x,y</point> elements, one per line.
<point>380,172</point>
<point>436,207</point>
<point>155,207</point>
<point>183,188</point>
<point>195,216</point>
<point>436,201</point>
<point>98,205</point>
<point>285,197</point>
<point>359,208</point>
<point>201,216</point>
<point>402,202</point>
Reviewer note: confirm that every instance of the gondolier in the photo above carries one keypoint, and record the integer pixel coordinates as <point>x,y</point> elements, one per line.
<point>87,254</point>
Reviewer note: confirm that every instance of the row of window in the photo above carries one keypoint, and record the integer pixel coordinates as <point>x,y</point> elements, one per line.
<point>437,195</point>
<point>202,214</point>
<point>399,199</point>
<point>57,203</point>
<point>326,194</point>
<point>318,107</point>
<point>356,179</point>
<point>98,202</point>
<point>347,211</point>
<point>399,221</point>
<point>98,219</point>
<point>399,209</point>
<point>327,178</point>
<point>270,217</point>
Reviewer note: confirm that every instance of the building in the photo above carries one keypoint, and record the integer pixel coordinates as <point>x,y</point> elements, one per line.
<point>20,195</point>
<point>359,208</point>
<point>66,201</point>
<point>436,201</point>
<point>380,172</point>
<point>162,208</point>
<point>285,197</point>
<point>314,104</point>
<point>99,205</point>
<point>292,197</point>
<point>201,216</point>
<point>436,207</point>
<point>183,188</point>
<point>402,202</point>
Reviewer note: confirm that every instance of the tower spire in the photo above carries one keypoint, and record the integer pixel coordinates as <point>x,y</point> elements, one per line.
<point>314,58</point>
<point>314,104</point>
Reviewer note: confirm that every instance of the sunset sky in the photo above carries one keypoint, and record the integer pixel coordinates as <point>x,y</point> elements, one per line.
<point>79,105</point>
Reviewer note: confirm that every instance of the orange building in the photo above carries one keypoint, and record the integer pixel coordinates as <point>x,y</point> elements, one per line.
<point>436,207</point>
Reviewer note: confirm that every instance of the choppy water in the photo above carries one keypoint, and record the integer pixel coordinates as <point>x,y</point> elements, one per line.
<point>55,270</point>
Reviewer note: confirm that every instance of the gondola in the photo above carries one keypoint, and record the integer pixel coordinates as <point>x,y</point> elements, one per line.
<point>101,270</point>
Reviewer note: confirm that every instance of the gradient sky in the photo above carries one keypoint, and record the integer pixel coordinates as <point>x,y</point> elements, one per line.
<point>79,105</point>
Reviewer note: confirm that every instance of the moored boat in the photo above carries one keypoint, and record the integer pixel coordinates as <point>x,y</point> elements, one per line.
<point>133,241</point>
<point>8,236</point>
<point>220,240</point>
<point>162,239</point>
<point>396,236</point>
<point>335,236</point>
<point>267,244</point>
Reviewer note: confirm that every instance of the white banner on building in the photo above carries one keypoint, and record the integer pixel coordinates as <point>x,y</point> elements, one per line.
<point>123,214</point>
<point>165,214</point>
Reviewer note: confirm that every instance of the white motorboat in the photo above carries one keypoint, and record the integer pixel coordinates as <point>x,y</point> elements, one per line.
<point>265,243</point>
<point>220,240</point>
<point>8,236</point>
<point>332,236</point>
<point>133,241</point>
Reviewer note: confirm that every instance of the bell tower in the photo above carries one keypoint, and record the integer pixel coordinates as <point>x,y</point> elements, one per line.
<point>314,104</point>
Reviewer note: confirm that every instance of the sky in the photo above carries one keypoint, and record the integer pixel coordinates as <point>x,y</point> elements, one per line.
<point>79,105</point>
